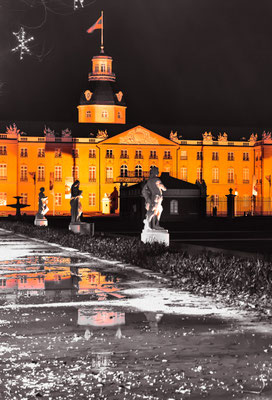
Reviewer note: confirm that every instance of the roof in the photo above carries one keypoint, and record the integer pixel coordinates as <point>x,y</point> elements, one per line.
<point>104,92</point>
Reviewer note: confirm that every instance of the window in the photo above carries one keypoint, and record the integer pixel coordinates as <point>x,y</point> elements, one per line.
<point>105,114</point>
<point>92,153</point>
<point>109,154</point>
<point>199,155</point>
<point>3,198</point>
<point>109,174</point>
<point>75,153</point>
<point>24,198</point>
<point>3,282</point>
<point>215,156</point>
<point>23,152</point>
<point>124,170</point>
<point>41,173</point>
<point>23,173</point>
<point>108,69</point>
<point>58,199</point>
<point>173,207</point>
<point>153,154</point>
<point>96,68</point>
<point>167,154</point>
<point>245,156</point>
<point>231,156</point>
<point>199,174</point>
<point>75,172</point>
<point>3,171</point>
<point>215,175</point>
<point>58,173</point>
<point>183,155</point>
<point>138,171</point>
<point>138,154</point>
<point>91,199</point>
<point>103,68</point>
<point>230,175</point>
<point>88,114</point>
<point>183,174</point>
<point>41,152</point>
<point>215,200</point>
<point>57,153</point>
<point>3,150</point>
<point>92,173</point>
<point>124,154</point>
<point>119,115</point>
<point>245,175</point>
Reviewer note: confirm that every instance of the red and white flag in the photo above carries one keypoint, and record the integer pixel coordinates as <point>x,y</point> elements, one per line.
<point>97,25</point>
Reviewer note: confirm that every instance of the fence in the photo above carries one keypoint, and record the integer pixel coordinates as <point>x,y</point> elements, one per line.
<point>242,206</point>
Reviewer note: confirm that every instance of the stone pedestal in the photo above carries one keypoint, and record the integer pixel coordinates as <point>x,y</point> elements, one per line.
<point>152,235</point>
<point>40,222</point>
<point>82,228</point>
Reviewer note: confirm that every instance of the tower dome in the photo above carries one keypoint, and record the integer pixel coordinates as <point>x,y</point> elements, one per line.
<point>102,101</point>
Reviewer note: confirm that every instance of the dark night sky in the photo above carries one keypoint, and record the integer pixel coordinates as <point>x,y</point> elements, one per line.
<point>178,62</point>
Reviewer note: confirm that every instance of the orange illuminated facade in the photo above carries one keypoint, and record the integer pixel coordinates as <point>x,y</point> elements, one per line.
<point>110,154</point>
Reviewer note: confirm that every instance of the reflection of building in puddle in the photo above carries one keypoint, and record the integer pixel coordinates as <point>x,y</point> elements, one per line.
<point>100,318</point>
<point>28,284</point>
<point>102,285</point>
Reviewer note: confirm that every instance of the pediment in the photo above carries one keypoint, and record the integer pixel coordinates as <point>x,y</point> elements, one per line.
<point>139,135</point>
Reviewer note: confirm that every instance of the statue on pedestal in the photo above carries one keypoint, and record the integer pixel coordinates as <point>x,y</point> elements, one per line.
<point>76,207</point>
<point>40,219</point>
<point>152,193</point>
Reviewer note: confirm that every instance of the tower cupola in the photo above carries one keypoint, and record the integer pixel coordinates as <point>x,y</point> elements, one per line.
<point>102,101</point>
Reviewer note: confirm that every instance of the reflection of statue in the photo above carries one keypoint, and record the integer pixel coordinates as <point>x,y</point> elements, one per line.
<point>114,201</point>
<point>152,192</point>
<point>43,208</point>
<point>76,208</point>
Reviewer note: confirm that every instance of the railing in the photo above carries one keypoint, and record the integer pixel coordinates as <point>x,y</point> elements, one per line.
<point>153,157</point>
<point>183,157</point>
<point>166,157</point>
<point>132,176</point>
<point>139,156</point>
<point>124,156</point>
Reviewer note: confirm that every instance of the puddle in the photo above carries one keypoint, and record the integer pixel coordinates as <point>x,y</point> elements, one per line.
<point>72,327</point>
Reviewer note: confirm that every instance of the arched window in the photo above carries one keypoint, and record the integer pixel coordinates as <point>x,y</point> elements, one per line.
<point>173,207</point>
<point>138,171</point>
<point>124,170</point>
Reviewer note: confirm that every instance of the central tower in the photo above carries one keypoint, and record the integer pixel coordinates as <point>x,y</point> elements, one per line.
<point>102,101</point>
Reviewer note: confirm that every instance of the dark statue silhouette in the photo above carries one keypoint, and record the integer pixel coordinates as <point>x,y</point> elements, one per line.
<point>152,193</point>
<point>43,208</point>
<point>76,208</point>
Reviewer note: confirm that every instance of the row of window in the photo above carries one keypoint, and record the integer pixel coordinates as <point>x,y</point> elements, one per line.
<point>215,174</point>
<point>215,156</point>
<point>104,114</point>
<point>138,172</point>
<point>139,154</point>
<point>58,198</point>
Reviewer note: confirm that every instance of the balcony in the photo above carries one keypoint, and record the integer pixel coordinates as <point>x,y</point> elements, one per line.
<point>131,177</point>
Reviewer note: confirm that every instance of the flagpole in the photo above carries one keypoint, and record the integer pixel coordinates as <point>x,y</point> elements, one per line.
<point>102,38</point>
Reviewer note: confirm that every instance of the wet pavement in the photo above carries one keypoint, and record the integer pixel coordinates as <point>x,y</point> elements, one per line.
<point>76,327</point>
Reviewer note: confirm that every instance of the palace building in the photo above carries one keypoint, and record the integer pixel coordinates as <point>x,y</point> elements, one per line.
<point>103,152</point>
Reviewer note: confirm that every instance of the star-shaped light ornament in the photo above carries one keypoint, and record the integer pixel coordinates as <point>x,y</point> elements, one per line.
<point>22,46</point>
<point>78,3</point>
